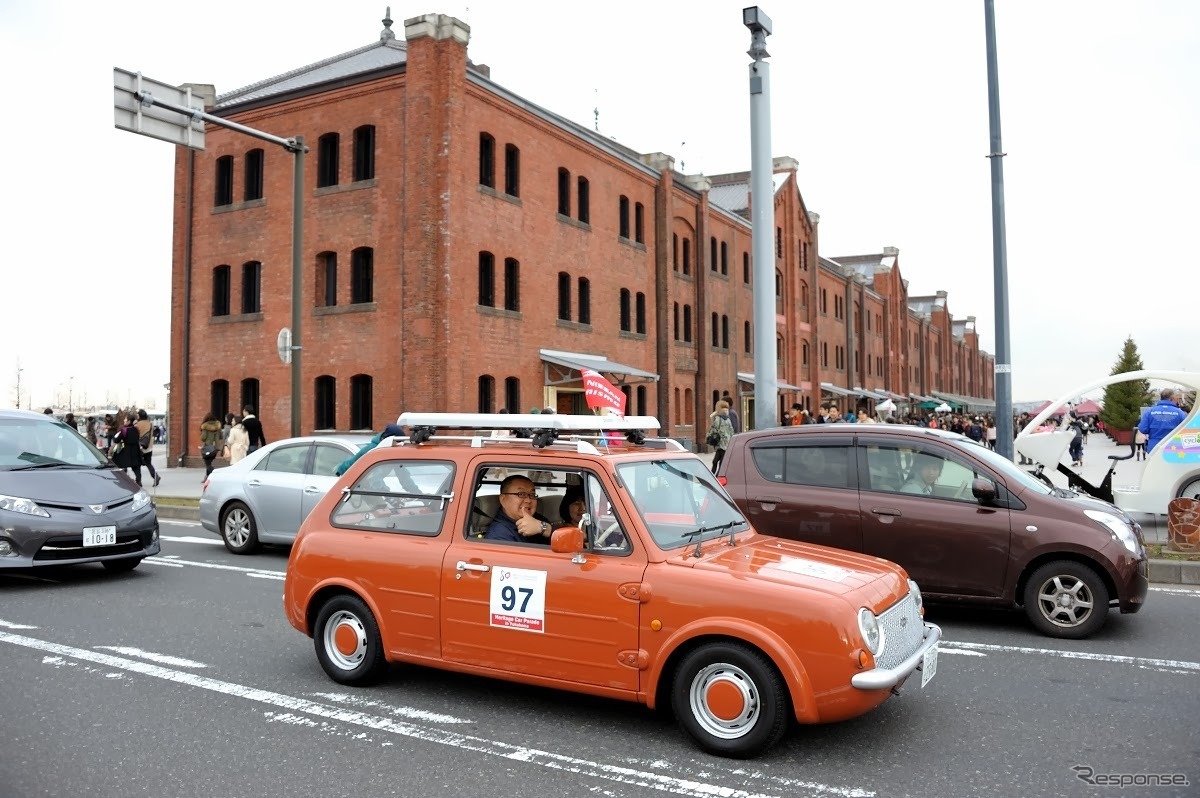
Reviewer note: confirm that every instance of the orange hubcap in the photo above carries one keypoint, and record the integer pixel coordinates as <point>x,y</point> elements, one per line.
<point>346,640</point>
<point>724,700</point>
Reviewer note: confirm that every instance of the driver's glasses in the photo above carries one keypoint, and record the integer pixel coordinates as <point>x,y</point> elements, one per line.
<point>521,495</point>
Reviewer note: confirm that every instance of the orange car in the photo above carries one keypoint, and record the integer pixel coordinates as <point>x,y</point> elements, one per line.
<point>624,572</point>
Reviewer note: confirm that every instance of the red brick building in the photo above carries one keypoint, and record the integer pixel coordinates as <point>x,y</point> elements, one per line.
<point>467,250</point>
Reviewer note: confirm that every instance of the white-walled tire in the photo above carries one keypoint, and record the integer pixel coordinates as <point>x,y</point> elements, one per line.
<point>347,641</point>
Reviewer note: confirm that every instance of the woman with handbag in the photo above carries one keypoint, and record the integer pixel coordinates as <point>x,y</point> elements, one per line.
<point>126,452</point>
<point>211,436</point>
<point>720,431</point>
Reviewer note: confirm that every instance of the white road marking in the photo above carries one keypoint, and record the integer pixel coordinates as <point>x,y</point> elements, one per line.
<point>263,573</point>
<point>1181,666</point>
<point>59,662</point>
<point>1178,591</point>
<point>177,522</point>
<point>11,625</point>
<point>943,650</point>
<point>161,659</point>
<point>544,759</point>
<point>192,539</point>
<point>404,712</point>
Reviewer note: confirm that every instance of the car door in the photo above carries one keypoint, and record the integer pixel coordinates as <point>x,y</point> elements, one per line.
<point>804,487</point>
<point>320,476</point>
<point>273,489</point>
<point>946,540</point>
<point>522,608</point>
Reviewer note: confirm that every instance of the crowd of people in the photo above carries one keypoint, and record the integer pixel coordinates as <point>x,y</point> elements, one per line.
<point>233,438</point>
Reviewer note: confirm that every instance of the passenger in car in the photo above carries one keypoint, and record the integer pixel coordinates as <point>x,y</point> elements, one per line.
<point>925,472</point>
<point>518,520</point>
<point>572,507</point>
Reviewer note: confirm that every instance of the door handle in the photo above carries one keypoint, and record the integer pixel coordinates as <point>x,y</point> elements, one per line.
<point>885,511</point>
<point>471,566</point>
<point>312,489</point>
<point>768,499</point>
<point>254,483</point>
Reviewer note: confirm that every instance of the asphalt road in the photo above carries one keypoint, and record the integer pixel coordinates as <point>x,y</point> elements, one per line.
<point>183,679</point>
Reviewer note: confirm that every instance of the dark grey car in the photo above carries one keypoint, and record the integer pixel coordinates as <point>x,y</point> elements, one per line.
<point>62,502</point>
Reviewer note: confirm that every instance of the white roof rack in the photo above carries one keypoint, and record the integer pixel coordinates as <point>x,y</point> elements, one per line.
<point>515,421</point>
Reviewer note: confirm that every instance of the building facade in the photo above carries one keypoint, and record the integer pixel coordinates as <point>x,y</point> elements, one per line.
<point>466,250</point>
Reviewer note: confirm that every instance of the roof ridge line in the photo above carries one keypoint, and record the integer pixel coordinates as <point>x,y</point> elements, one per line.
<point>391,43</point>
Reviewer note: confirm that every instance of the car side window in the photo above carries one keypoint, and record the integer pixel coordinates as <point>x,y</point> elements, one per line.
<point>819,464</point>
<point>285,460</point>
<point>392,496</point>
<point>605,532</point>
<point>919,471</point>
<point>888,467</point>
<point>327,458</point>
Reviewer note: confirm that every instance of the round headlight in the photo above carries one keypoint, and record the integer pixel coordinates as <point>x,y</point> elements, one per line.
<point>872,635</point>
<point>916,594</point>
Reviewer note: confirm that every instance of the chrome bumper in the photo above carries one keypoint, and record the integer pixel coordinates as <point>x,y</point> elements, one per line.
<point>883,678</point>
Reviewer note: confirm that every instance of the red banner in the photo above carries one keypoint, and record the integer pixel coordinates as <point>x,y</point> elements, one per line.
<point>599,392</point>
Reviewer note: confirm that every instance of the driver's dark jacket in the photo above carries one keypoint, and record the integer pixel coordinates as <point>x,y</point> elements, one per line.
<point>504,528</point>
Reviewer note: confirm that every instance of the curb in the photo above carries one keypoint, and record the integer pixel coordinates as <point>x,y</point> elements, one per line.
<point>1174,572</point>
<point>176,512</point>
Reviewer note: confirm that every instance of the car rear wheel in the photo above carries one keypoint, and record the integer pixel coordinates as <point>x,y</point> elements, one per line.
<point>1190,490</point>
<point>730,699</point>
<point>1066,599</point>
<point>348,644</point>
<point>121,566</point>
<point>239,529</point>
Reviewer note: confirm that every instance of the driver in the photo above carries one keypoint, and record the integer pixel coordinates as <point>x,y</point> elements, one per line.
<point>517,521</point>
<point>925,472</point>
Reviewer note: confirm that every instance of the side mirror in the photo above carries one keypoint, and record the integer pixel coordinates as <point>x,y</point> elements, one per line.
<point>984,490</point>
<point>567,540</point>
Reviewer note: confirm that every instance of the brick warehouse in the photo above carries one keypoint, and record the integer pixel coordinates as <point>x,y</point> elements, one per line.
<point>467,250</point>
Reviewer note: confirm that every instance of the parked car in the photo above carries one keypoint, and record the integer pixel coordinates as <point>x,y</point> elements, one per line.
<point>263,497</point>
<point>962,520</point>
<point>661,593</point>
<point>62,502</point>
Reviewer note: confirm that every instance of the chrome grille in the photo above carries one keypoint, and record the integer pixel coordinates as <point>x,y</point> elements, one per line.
<point>903,632</point>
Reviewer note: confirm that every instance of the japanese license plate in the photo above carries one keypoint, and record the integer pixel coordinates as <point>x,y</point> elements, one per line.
<point>99,535</point>
<point>928,665</point>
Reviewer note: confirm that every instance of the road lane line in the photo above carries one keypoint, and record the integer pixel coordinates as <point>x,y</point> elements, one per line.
<point>1146,662</point>
<point>943,650</point>
<point>161,659</point>
<point>406,712</point>
<point>1178,591</point>
<point>544,759</point>
<point>191,539</point>
<point>10,625</point>
<point>263,573</point>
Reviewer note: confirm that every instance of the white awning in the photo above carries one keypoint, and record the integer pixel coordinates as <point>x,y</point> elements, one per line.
<point>580,361</point>
<point>829,386</point>
<point>783,386</point>
<point>876,395</point>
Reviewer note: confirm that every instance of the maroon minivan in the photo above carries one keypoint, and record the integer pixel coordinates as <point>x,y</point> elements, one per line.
<point>967,524</point>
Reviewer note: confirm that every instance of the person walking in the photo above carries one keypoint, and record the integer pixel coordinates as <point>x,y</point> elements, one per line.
<point>1076,448</point>
<point>253,428</point>
<point>239,441</point>
<point>146,445</point>
<point>210,441</point>
<point>720,431</point>
<point>734,418</point>
<point>990,433</point>
<point>125,450</point>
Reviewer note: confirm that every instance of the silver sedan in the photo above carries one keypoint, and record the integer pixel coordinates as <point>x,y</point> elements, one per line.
<point>265,497</point>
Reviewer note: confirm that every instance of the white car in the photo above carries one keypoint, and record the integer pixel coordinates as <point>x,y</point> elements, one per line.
<point>265,497</point>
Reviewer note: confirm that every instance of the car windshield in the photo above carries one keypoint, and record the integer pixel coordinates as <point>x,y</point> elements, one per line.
<point>680,501</point>
<point>1005,466</point>
<point>27,444</point>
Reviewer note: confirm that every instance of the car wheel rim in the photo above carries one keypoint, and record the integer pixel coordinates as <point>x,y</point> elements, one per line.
<point>724,701</point>
<point>1065,601</point>
<point>345,640</point>
<point>237,527</point>
<point>1191,490</point>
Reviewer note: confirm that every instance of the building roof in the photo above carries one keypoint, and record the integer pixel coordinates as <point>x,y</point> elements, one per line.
<point>735,196</point>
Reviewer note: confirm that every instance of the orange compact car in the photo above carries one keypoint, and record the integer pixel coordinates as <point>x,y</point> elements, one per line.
<point>625,571</point>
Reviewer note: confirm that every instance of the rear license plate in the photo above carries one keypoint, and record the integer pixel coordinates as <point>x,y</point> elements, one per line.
<point>928,665</point>
<point>99,535</point>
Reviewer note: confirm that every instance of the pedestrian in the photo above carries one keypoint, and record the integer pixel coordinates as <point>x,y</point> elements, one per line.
<point>1076,448</point>
<point>1158,421</point>
<point>253,428</point>
<point>210,441</point>
<point>146,445</point>
<point>734,418</point>
<point>990,433</point>
<point>125,450</point>
<point>974,430</point>
<point>238,442</point>
<point>49,411</point>
<point>90,430</point>
<point>69,420</point>
<point>1139,441</point>
<point>229,421</point>
<point>720,431</point>
<point>797,415</point>
<point>104,430</point>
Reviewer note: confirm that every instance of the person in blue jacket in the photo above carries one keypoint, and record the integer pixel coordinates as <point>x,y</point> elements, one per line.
<point>1158,421</point>
<point>391,430</point>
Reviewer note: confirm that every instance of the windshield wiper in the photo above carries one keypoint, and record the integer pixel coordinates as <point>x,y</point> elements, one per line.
<point>713,528</point>
<point>31,466</point>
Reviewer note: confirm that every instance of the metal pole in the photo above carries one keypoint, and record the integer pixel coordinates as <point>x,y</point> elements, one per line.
<point>762,207</point>
<point>297,270</point>
<point>1004,418</point>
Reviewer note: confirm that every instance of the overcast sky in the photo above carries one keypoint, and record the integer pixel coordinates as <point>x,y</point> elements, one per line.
<point>884,105</point>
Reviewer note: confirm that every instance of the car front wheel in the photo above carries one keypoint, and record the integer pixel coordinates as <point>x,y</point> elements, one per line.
<point>1066,599</point>
<point>730,699</point>
<point>239,529</point>
<point>348,644</point>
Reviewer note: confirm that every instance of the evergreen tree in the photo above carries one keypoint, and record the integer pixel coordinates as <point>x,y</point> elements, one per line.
<point>1123,401</point>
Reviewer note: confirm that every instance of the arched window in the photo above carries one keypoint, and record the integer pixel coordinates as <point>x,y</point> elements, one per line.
<point>803,293</point>
<point>564,296</point>
<point>327,160</point>
<point>641,400</point>
<point>688,406</point>
<point>641,313</point>
<point>675,251</point>
<point>724,332</point>
<point>362,275</point>
<point>778,284</point>
<point>250,395</point>
<point>746,335</point>
<point>512,284</point>
<point>623,217</point>
<point>360,402</point>
<point>487,160</point>
<point>678,408</point>
<point>253,185</point>
<point>487,279</point>
<point>639,219</point>
<point>224,181</point>
<point>687,256</point>
<point>746,268</point>
<point>487,394</point>
<point>675,320</point>
<point>584,204</point>
<point>625,311</point>
<point>252,287</point>
<point>364,152</point>
<point>512,170</point>
<point>687,323</point>
<point>564,191</point>
<point>512,394</point>
<point>326,288</point>
<point>779,349</point>
<point>220,291</point>
<point>804,353</point>
<point>325,402</point>
<point>724,258</point>
<point>712,260</point>
<point>716,330</point>
<point>219,398</point>
<point>585,301</point>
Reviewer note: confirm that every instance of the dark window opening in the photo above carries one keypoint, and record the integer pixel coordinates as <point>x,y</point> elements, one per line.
<point>639,218</point>
<point>687,256</point>
<point>362,275</point>
<point>487,160</point>
<point>250,395</point>
<point>360,402</point>
<point>746,335</point>
<point>487,279</point>
<point>253,188</point>
<point>641,400</point>
<point>641,313</point>
<point>712,259</point>
<point>325,403</point>
<point>512,171</point>
<point>585,301</point>
<point>584,204</point>
<point>364,152</point>
<point>716,331</point>
<point>220,295</point>
<point>675,320</point>
<point>487,393</point>
<point>224,181</point>
<point>327,279</point>
<point>219,398</point>
<point>564,296</point>
<point>512,284</point>
<point>724,258</point>
<point>623,217</point>
<point>625,310</point>
<point>687,324</point>
<point>512,394</point>
<point>746,268</point>
<point>251,287</point>
<point>725,332</point>
<point>564,191</point>
<point>327,160</point>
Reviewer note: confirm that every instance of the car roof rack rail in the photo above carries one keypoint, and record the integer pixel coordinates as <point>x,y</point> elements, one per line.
<point>542,429</point>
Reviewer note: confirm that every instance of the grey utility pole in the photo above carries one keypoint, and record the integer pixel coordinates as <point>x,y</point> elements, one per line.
<point>1004,416</point>
<point>762,219</point>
